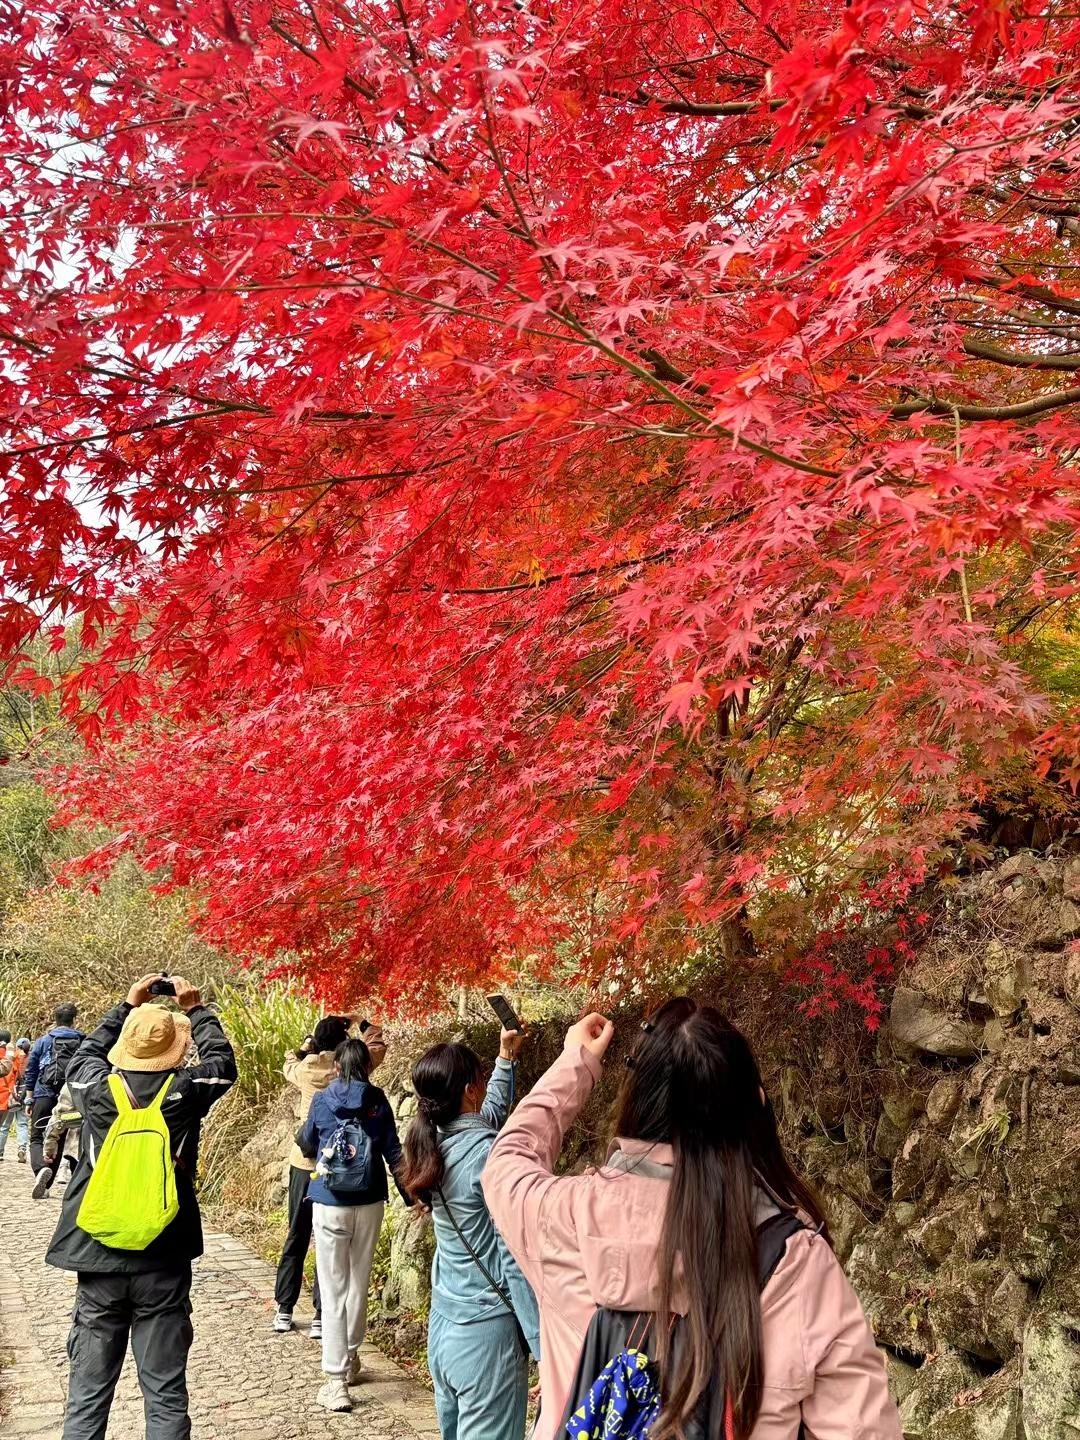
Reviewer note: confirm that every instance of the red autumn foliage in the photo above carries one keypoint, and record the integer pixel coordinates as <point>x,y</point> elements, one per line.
<point>537,478</point>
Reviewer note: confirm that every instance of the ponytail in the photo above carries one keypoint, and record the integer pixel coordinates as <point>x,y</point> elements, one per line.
<point>440,1079</point>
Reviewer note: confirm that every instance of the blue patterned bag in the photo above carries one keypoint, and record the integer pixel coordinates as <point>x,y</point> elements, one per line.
<point>623,1401</point>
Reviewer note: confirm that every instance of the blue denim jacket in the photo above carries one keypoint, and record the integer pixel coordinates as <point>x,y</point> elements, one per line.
<point>459,1291</point>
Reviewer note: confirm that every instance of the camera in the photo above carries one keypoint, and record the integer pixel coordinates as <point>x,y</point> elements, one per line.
<point>164,986</point>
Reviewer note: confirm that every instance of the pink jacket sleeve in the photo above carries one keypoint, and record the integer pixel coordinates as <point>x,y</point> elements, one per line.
<point>519,1185</point>
<point>850,1397</point>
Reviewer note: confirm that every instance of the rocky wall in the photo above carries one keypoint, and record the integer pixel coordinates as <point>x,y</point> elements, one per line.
<point>970,1271</point>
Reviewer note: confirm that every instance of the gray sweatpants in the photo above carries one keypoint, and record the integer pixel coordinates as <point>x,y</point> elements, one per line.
<point>155,1310</point>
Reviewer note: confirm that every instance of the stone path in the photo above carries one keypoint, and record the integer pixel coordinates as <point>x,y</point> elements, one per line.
<point>246,1382</point>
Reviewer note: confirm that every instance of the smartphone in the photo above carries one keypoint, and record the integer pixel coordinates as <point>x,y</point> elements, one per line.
<point>504,1010</point>
<point>164,986</point>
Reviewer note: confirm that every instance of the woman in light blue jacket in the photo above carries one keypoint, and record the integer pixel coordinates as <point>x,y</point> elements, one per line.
<point>484,1317</point>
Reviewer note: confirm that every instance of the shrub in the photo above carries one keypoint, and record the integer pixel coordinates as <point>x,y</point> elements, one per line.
<point>88,942</point>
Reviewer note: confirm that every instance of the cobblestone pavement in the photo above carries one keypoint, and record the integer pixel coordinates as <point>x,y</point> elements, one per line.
<point>246,1382</point>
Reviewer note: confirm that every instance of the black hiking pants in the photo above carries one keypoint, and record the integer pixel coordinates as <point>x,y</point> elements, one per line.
<point>39,1121</point>
<point>154,1309</point>
<point>290,1271</point>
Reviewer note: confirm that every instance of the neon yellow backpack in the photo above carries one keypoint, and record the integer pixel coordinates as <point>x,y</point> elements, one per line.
<point>131,1194</point>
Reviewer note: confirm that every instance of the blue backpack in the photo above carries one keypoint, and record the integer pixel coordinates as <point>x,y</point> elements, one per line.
<point>347,1160</point>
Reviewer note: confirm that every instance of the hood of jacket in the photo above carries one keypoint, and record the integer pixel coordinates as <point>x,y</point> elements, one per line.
<point>347,1099</point>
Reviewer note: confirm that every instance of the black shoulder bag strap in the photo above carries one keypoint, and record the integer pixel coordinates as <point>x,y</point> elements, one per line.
<point>500,1291</point>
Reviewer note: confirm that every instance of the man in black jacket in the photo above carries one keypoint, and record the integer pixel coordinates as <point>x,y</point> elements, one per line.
<point>141,1293</point>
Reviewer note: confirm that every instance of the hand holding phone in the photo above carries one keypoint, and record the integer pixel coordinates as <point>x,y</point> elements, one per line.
<point>513,1031</point>
<point>505,1012</point>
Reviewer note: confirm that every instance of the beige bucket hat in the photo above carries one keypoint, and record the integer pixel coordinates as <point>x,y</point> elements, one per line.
<point>153,1038</point>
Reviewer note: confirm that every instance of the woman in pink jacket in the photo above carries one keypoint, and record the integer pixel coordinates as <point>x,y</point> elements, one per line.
<point>669,1225</point>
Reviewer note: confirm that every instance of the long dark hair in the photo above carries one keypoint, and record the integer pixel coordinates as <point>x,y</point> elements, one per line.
<point>353,1060</point>
<point>692,1082</point>
<point>440,1079</point>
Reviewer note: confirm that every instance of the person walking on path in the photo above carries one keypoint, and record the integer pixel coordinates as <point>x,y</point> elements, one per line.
<point>12,1065</point>
<point>350,1131</point>
<point>674,1225</point>
<point>309,1070</point>
<point>143,1294</point>
<point>483,1314</point>
<point>61,1142</point>
<point>46,1070</point>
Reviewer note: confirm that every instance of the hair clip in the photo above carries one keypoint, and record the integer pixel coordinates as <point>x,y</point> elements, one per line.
<point>647,1026</point>
<point>629,1062</point>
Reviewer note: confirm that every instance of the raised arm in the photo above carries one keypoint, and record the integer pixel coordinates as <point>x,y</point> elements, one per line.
<point>216,1070</point>
<point>500,1094</point>
<point>519,1175</point>
<point>499,1100</point>
<point>294,1060</point>
<point>90,1063</point>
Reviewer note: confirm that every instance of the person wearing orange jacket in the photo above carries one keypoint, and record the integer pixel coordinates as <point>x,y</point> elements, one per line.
<point>12,1065</point>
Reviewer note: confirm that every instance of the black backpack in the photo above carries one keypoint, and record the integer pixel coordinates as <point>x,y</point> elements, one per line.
<point>610,1333</point>
<point>61,1053</point>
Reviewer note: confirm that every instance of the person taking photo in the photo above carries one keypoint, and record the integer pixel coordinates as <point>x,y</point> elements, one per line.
<point>696,1260</point>
<point>484,1320</point>
<point>131,1070</point>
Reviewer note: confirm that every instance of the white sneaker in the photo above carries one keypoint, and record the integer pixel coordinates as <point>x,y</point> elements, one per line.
<point>42,1181</point>
<point>356,1369</point>
<point>334,1395</point>
<point>283,1321</point>
<point>316,1328</point>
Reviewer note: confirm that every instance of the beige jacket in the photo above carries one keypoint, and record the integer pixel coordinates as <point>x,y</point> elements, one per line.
<point>309,1074</point>
<point>588,1240</point>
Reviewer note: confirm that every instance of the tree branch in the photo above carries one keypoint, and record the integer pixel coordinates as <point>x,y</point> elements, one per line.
<point>1024,410</point>
<point>983,350</point>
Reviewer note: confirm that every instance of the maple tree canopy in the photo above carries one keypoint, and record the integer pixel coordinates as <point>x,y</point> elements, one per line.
<point>578,480</point>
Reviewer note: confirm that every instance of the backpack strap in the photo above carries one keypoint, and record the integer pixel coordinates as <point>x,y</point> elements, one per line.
<point>124,1096</point>
<point>500,1290</point>
<point>126,1102</point>
<point>772,1238</point>
<point>120,1090</point>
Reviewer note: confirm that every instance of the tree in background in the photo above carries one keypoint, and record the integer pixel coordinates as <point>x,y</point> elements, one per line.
<point>532,474</point>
